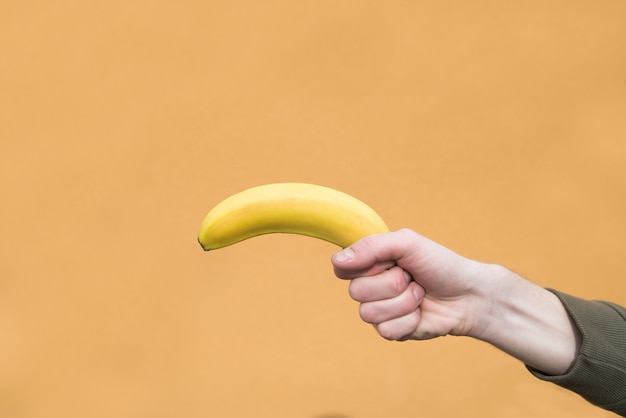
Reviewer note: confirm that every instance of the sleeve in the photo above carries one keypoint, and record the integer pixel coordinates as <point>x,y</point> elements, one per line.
<point>599,372</point>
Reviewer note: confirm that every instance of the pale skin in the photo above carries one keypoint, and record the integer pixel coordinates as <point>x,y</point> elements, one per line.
<point>412,288</point>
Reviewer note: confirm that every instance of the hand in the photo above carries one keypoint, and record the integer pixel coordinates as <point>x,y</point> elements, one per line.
<point>409,286</point>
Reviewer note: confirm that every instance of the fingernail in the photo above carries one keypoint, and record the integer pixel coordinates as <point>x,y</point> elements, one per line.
<point>344,255</point>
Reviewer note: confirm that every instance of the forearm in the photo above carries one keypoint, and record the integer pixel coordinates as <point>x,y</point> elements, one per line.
<point>526,321</point>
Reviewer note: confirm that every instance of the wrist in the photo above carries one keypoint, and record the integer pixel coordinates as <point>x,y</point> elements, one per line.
<point>488,285</point>
<point>525,320</point>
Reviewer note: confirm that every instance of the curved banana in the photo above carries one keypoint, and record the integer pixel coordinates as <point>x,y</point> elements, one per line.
<point>294,208</point>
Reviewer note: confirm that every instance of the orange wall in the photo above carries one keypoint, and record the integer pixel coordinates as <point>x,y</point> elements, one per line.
<point>497,129</point>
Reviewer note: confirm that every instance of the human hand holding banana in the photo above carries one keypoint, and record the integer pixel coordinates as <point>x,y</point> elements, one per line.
<point>409,287</point>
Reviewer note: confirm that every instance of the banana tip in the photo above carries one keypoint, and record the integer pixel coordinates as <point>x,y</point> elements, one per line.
<point>203,247</point>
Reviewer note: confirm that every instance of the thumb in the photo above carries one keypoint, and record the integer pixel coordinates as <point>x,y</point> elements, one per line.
<point>373,254</point>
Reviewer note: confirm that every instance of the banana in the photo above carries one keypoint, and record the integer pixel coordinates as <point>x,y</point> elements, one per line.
<point>292,208</point>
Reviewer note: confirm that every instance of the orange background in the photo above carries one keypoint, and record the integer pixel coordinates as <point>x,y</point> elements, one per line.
<point>497,129</point>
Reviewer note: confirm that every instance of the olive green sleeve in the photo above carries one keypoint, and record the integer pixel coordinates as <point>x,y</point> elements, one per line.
<point>599,372</point>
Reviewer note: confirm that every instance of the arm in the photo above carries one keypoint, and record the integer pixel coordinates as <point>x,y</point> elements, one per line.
<point>413,288</point>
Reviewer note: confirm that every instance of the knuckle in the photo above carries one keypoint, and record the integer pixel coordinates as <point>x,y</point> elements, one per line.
<point>357,291</point>
<point>413,322</point>
<point>397,281</point>
<point>389,332</point>
<point>405,303</point>
<point>406,232</point>
<point>400,329</point>
<point>366,313</point>
<point>410,302</point>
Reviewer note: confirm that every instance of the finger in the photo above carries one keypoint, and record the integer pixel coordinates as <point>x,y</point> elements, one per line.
<point>375,253</point>
<point>400,329</point>
<point>386,285</point>
<point>349,273</point>
<point>379,311</point>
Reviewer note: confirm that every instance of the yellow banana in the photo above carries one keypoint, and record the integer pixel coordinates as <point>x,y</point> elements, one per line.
<point>293,208</point>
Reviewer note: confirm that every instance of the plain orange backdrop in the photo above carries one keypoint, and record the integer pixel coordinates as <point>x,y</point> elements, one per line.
<point>495,128</point>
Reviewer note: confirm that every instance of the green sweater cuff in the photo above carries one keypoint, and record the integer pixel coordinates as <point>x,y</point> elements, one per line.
<point>599,372</point>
